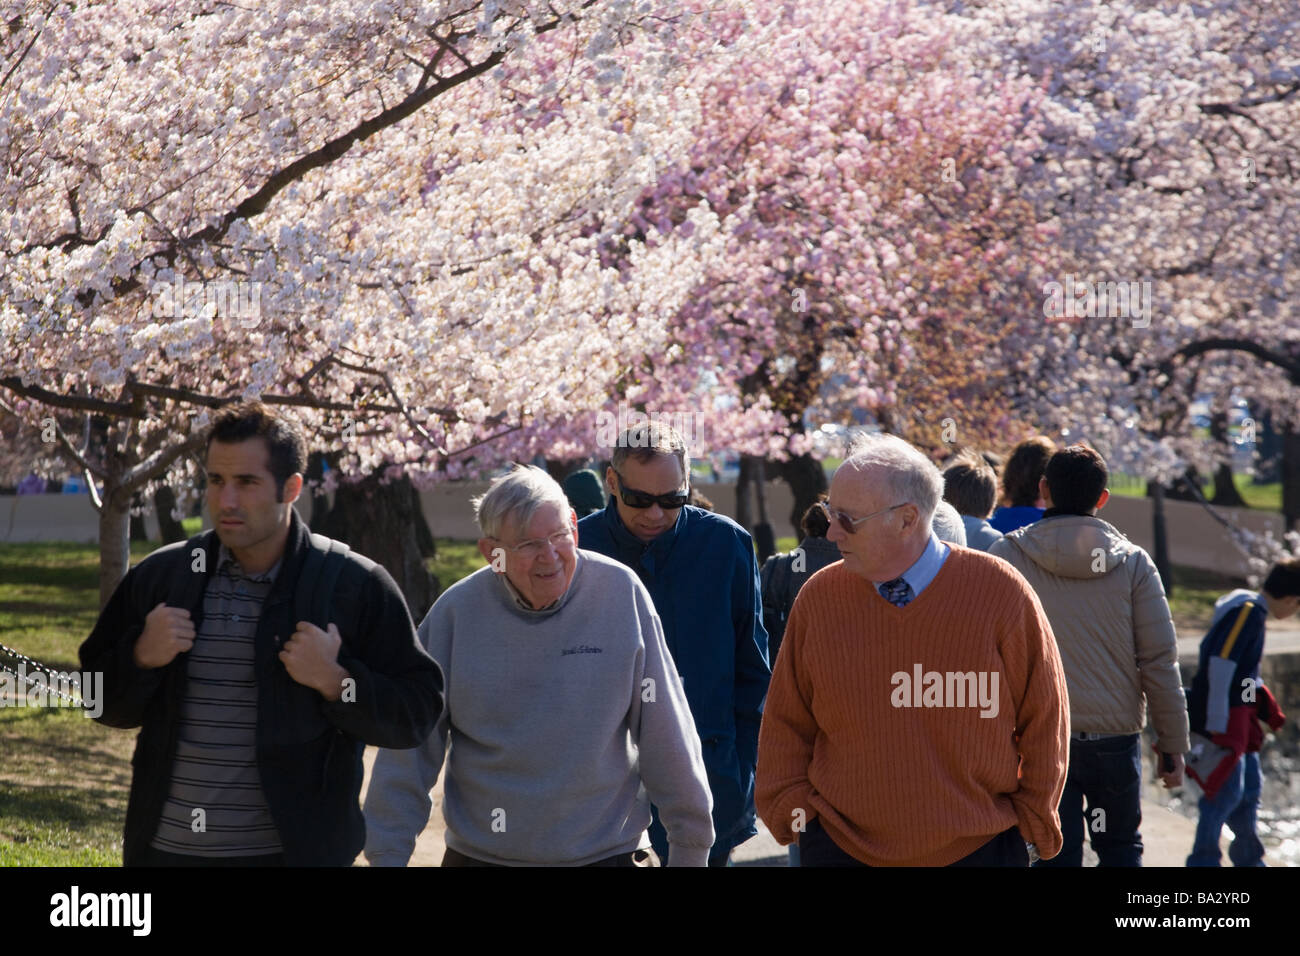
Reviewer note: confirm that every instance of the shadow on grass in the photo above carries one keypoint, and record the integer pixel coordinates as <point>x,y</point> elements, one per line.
<point>46,824</point>
<point>64,784</point>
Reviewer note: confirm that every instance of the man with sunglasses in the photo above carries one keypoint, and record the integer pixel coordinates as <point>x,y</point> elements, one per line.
<point>918,712</point>
<point>702,574</point>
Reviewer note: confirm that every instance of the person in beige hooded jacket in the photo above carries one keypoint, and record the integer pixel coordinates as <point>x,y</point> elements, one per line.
<point>1118,646</point>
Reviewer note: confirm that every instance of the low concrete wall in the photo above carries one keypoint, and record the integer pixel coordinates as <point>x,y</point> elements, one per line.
<point>48,518</point>
<point>1195,538</point>
<point>448,511</point>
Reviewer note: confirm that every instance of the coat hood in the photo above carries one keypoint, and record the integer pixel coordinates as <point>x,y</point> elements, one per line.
<point>1072,546</point>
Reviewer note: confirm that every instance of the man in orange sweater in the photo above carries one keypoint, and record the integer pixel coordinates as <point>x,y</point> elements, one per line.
<point>918,713</point>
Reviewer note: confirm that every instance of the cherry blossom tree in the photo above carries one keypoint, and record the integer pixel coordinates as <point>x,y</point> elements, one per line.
<point>878,257</point>
<point>385,217</point>
<point>1170,162</point>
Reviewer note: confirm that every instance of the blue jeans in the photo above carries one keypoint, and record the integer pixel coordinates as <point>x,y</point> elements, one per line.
<point>1235,804</point>
<point>718,855</point>
<point>1102,796</point>
<point>818,848</point>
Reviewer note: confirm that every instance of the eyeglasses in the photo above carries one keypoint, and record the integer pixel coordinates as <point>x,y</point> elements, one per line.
<point>643,499</point>
<point>561,541</point>
<point>850,524</point>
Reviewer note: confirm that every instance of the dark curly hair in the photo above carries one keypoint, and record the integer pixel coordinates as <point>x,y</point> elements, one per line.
<point>283,437</point>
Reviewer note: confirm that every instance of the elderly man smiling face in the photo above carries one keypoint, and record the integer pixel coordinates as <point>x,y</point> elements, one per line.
<point>530,535</point>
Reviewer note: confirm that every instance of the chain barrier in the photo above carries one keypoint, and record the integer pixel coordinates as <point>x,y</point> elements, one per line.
<point>50,687</point>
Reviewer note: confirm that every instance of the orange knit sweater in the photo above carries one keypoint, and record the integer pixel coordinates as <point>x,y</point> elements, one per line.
<point>873,720</point>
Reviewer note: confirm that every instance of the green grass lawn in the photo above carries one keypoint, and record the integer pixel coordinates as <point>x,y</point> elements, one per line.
<point>1264,497</point>
<point>455,560</point>
<point>64,778</point>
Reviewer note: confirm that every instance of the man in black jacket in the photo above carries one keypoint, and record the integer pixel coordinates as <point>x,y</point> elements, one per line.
<point>253,721</point>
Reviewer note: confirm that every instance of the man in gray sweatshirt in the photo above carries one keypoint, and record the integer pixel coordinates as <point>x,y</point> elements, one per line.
<point>564,709</point>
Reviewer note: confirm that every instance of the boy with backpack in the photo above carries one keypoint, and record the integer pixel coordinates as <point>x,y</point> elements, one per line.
<point>1228,706</point>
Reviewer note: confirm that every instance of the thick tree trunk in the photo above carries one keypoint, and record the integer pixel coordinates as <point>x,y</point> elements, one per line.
<point>1291,477</point>
<point>138,530</point>
<point>1268,448</point>
<point>764,536</point>
<point>164,502</point>
<point>378,520</point>
<point>807,479</point>
<point>115,508</point>
<point>561,468</point>
<point>744,489</point>
<point>1225,490</point>
<point>423,533</point>
<point>1161,537</point>
<point>114,542</point>
<point>1181,488</point>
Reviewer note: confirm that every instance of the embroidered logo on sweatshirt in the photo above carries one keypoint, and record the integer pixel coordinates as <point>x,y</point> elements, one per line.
<point>582,649</point>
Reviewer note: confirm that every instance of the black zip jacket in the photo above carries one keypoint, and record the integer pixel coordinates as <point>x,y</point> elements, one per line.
<point>308,749</point>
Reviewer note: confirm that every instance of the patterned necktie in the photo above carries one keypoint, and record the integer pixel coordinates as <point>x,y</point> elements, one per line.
<point>897,592</point>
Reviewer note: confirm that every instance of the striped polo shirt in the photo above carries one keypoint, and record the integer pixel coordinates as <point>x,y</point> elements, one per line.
<point>215,805</point>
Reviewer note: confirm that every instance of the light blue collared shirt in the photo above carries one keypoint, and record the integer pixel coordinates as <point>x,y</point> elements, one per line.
<point>927,566</point>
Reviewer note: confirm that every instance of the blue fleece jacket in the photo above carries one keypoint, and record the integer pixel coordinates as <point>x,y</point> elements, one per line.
<point>703,577</point>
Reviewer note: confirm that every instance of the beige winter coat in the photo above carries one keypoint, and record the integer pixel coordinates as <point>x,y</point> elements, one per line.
<point>1107,608</point>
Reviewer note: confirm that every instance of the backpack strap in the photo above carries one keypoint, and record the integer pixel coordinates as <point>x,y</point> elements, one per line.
<point>765,580</point>
<point>314,596</point>
<point>774,580</point>
<point>1246,608</point>
<point>782,576</point>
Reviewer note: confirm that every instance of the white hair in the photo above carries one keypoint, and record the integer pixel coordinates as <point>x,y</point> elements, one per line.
<point>515,498</point>
<point>948,525</point>
<point>912,477</point>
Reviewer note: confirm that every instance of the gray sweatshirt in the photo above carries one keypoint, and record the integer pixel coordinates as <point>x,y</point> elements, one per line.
<point>556,718</point>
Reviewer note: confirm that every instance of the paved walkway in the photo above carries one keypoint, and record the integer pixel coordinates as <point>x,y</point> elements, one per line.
<point>1280,637</point>
<point>1166,835</point>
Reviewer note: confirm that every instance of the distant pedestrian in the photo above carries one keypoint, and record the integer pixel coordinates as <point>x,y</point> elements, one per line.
<point>782,577</point>
<point>784,574</point>
<point>948,525</point>
<point>1229,707</point>
<point>1120,653</point>
<point>971,486</point>
<point>699,501</point>
<point>1020,477</point>
<point>583,489</point>
<point>918,712</point>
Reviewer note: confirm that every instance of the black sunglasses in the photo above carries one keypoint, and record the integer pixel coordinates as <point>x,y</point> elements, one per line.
<point>643,499</point>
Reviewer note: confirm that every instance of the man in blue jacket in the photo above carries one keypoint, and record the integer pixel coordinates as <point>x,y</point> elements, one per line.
<point>701,572</point>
